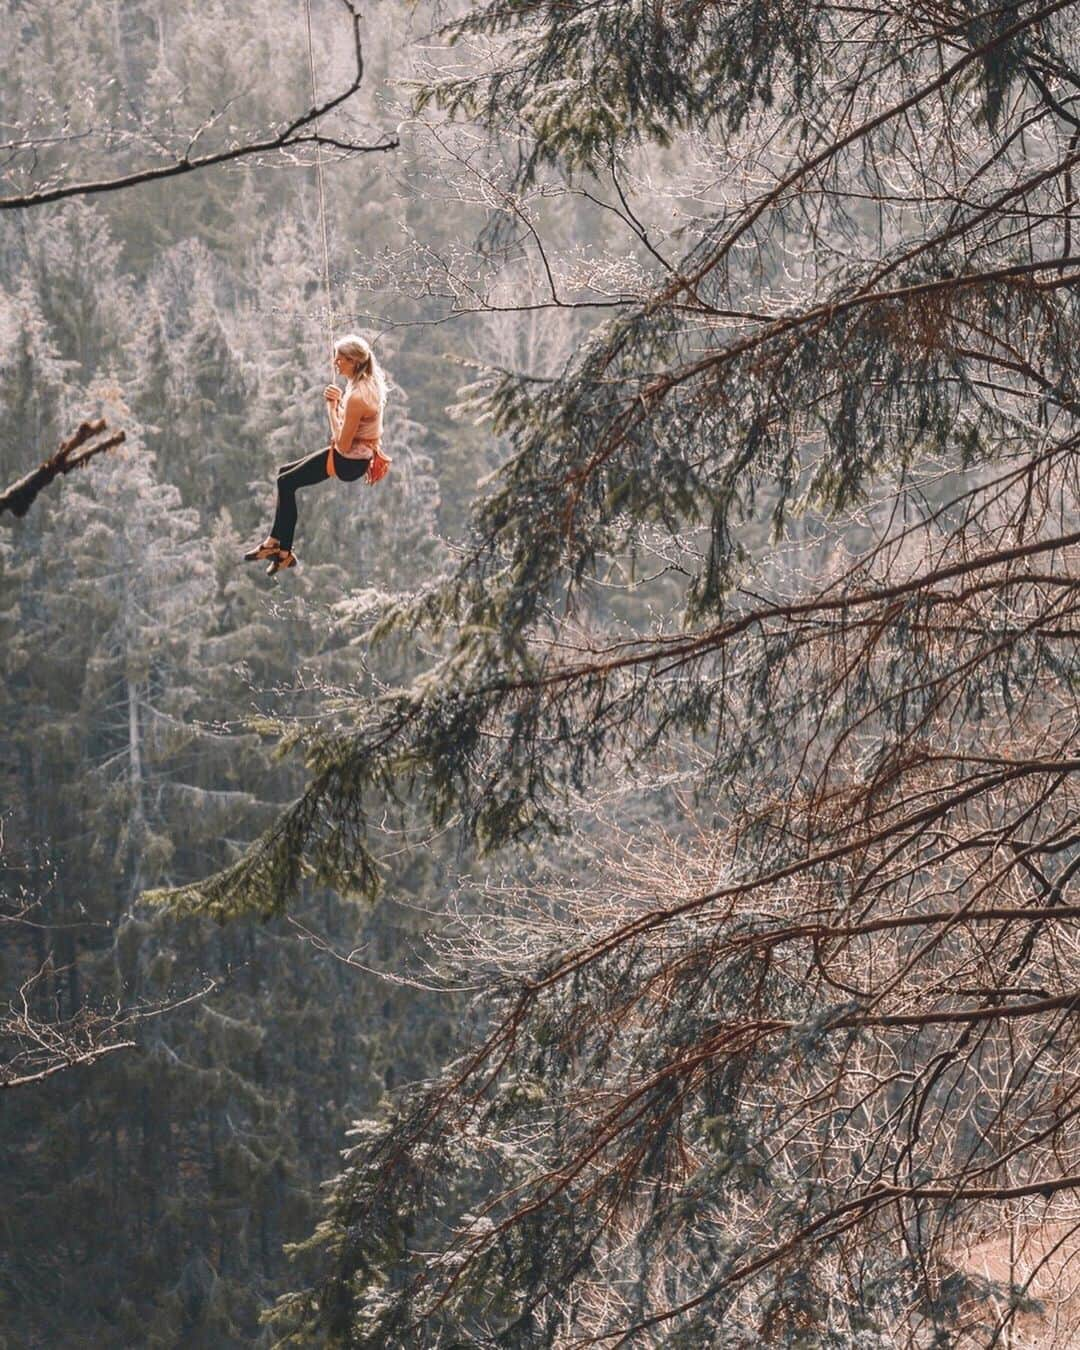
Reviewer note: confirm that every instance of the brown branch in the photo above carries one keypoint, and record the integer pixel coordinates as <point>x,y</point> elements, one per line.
<point>285,139</point>
<point>828,932</point>
<point>19,497</point>
<point>686,646</point>
<point>871,1200</point>
<point>644,402</point>
<point>905,826</point>
<point>758,208</point>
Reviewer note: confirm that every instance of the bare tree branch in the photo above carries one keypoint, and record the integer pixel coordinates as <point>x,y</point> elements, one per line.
<point>293,134</point>
<point>19,497</point>
<point>69,1061</point>
<point>35,1046</point>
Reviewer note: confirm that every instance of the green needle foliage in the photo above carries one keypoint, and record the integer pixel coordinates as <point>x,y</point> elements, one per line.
<point>772,1093</point>
<point>873,384</point>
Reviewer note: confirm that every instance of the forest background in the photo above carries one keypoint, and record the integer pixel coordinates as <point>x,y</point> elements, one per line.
<point>681,737</point>
<point>147,1198</point>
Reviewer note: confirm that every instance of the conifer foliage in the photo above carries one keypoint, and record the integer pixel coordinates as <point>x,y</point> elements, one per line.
<point>777,1092</point>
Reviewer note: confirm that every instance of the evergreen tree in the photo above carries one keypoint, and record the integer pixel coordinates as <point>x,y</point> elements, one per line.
<point>215,417</point>
<point>776,1106</point>
<point>34,376</point>
<point>75,265</point>
<point>36,395</point>
<point>765,1076</point>
<point>202,1154</point>
<point>140,660</point>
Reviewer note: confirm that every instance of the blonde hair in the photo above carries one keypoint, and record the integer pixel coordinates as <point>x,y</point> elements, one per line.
<point>358,349</point>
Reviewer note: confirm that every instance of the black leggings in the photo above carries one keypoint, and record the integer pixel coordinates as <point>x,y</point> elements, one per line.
<point>304,473</point>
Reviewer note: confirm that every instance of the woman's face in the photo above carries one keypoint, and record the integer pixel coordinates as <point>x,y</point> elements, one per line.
<point>345,365</point>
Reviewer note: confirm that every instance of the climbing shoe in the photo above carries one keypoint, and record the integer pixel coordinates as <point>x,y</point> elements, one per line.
<point>270,548</point>
<point>284,558</point>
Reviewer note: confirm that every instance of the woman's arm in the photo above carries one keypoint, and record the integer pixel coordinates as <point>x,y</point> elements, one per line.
<point>332,394</point>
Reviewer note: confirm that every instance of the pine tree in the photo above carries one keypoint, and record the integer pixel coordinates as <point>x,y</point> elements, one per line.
<point>215,417</point>
<point>203,1152</point>
<point>140,659</point>
<point>142,668</point>
<point>74,265</point>
<point>34,375</point>
<point>35,392</point>
<point>775,1105</point>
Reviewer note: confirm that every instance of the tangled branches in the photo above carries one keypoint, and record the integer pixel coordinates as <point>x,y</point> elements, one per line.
<point>781,1104</point>
<point>787,1103</point>
<point>34,1048</point>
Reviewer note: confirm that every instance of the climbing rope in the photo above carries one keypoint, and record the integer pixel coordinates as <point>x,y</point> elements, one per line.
<point>380,462</point>
<point>322,193</point>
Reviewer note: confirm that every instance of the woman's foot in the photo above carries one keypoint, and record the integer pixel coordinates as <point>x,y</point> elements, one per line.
<point>285,558</point>
<point>269,548</point>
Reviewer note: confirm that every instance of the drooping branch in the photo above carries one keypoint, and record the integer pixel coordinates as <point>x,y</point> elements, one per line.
<point>302,130</point>
<point>73,453</point>
<point>879,960</point>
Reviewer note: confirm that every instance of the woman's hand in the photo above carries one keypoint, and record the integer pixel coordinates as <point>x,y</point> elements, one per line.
<point>332,393</point>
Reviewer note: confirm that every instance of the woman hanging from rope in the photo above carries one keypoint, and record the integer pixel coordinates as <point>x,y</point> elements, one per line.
<point>354,452</point>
